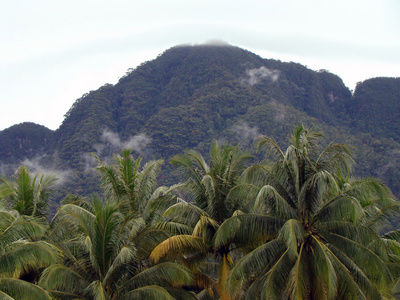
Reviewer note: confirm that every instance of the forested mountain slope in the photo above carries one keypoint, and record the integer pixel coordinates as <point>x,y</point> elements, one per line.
<point>24,141</point>
<point>191,95</point>
<point>375,107</point>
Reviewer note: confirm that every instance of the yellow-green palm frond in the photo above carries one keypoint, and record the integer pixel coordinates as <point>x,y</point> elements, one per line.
<point>316,191</point>
<point>78,218</point>
<point>205,228</point>
<point>178,245</point>
<point>334,156</point>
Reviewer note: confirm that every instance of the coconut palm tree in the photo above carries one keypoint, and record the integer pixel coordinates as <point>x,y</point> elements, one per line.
<point>102,258</point>
<point>312,235</point>
<point>23,253</point>
<point>196,222</point>
<point>134,188</point>
<point>27,194</point>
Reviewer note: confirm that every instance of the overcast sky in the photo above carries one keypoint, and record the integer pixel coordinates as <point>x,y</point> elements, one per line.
<point>52,52</point>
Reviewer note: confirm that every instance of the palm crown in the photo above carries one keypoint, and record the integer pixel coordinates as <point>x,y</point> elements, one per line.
<point>313,235</point>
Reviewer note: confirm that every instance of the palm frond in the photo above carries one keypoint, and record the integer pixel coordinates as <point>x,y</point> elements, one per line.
<point>181,294</point>
<point>205,228</point>
<point>176,245</point>
<point>146,182</point>
<point>161,199</point>
<point>333,156</point>
<point>268,200</point>
<point>19,289</point>
<point>21,228</point>
<point>184,212</point>
<point>293,234</point>
<point>23,254</point>
<point>342,208</point>
<point>165,274</point>
<point>278,274</point>
<point>253,262</point>
<point>126,256</point>
<point>353,281</point>
<point>147,292</point>
<point>324,273</point>
<point>366,260</point>
<point>271,146</point>
<point>61,278</point>
<point>76,214</point>
<point>315,190</point>
<point>148,239</point>
<point>174,227</point>
<point>247,229</point>
<point>109,180</point>
<point>299,281</point>
<point>97,290</point>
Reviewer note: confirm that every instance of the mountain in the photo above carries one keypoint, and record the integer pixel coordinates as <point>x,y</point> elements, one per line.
<point>191,95</point>
<point>375,107</point>
<point>24,141</point>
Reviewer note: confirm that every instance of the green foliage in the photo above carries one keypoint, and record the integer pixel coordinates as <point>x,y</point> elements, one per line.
<point>374,107</point>
<point>296,225</point>
<point>26,194</point>
<point>317,227</point>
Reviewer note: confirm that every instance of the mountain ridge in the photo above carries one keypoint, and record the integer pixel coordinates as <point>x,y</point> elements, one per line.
<point>191,95</point>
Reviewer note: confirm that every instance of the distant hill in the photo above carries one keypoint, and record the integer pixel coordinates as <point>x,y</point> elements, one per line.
<point>191,95</point>
<point>24,141</point>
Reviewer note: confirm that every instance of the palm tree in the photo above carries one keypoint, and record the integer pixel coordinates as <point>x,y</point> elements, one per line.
<point>23,253</point>
<point>102,259</point>
<point>135,189</point>
<point>311,235</point>
<point>26,194</point>
<point>196,222</point>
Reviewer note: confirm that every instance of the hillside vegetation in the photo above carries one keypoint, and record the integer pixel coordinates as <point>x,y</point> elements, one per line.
<point>191,95</point>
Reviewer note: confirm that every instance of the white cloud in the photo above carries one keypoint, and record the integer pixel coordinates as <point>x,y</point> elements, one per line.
<point>138,143</point>
<point>35,165</point>
<point>246,133</point>
<point>254,76</point>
